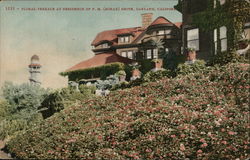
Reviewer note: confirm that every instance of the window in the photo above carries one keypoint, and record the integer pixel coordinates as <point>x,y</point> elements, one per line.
<point>162,32</point>
<point>149,54</point>
<point>215,41</point>
<point>155,53</point>
<point>124,54</point>
<point>130,54</point>
<point>223,38</point>
<point>105,45</point>
<point>193,38</point>
<point>124,39</point>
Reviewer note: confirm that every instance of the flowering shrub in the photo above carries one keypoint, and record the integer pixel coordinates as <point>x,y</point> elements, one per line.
<point>196,116</point>
<point>155,76</point>
<point>184,69</point>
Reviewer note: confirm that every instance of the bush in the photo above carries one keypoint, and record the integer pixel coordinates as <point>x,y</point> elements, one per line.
<point>223,58</point>
<point>171,61</point>
<point>185,69</point>
<point>107,84</point>
<point>155,76</point>
<point>195,116</point>
<point>101,71</point>
<point>23,98</point>
<point>19,109</point>
<point>5,109</point>
<point>13,126</point>
<point>62,98</point>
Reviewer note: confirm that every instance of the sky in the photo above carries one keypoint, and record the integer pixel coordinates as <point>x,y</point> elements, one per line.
<point>62,38</point>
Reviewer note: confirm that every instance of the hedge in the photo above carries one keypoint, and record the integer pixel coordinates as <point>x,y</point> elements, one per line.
<point>94,72</point>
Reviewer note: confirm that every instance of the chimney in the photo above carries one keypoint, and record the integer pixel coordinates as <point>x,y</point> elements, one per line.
<point>146,19</point>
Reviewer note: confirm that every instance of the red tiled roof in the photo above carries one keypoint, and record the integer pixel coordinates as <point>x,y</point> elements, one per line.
<point>99,60</point>
<point>160,20</point>
<point>111,35</point>
<point>178,24</point>
<point>163,20</point>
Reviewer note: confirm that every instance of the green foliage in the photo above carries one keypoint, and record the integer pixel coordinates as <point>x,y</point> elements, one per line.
<point>120,73</point>
<point>196,67</point>
<point>62,98</point>
<point>5,109</point>
<point>87,90</point>
<point>223,58</point>
<point>23,98</point>
<point>101,71</point>
<point>146,66</point>
<point>107,84</point>
<point>233,14</point>
<point>196,116</point>
<point>171,61</point>
<point>12,126</point>
<point>19,109</point>
<point>156,76</point>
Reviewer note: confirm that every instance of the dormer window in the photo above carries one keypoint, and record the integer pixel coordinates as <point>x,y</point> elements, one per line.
<point>124,39</point>
<point>103,45</point>
<point>162,32</point>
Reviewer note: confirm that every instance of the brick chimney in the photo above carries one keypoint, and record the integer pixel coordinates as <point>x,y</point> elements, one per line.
<point>146,19</point>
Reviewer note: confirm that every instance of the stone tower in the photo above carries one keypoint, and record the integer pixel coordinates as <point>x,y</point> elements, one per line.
<point>34,69</point>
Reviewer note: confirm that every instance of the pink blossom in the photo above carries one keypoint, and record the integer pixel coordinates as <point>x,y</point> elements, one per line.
<point>231,133</point>
<point>199,151</point>
<point>182,147</point>
<point>148,150</point>
<point>151,137</point>
<point>204,145</point>
<point>202,140</point>
<point>224,142</point>
<point>173,136</point>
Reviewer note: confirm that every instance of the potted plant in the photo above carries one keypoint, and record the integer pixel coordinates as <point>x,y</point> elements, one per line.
<point>191,54</point>
<point>157,63</point>
<point>122,75</point>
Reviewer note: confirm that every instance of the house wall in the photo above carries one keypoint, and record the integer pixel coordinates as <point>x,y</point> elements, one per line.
<point>206,46</point>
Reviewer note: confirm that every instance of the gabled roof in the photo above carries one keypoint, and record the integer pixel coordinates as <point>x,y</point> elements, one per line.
<point>160,20</point>
<point>99,60</point>
<point>178,24</point>
<point>163,20</point>
<point>111,35</point>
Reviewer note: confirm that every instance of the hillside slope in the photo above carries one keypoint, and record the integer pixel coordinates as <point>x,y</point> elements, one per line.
<point>199,116</point>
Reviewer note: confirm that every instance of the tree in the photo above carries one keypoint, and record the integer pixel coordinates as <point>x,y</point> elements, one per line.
<point>24,98</point>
